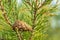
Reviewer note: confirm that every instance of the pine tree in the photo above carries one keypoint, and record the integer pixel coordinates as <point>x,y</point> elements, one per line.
<point>32,18</point>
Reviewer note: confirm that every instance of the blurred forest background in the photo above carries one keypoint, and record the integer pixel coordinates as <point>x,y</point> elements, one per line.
<point>46,23</point>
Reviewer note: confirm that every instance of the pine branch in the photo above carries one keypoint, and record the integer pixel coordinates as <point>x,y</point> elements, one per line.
<point>34,19</point>
<point>4,14</point>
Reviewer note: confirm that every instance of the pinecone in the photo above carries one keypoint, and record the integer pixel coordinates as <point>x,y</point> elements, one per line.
<point>22,26</point>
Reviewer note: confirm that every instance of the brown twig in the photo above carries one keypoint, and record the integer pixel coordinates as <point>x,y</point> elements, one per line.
<point>36,2</point>
<point>34,19</point>
<point>28,3</point>
<point>18,34</point>
<point>4,14</point>
<point>41,5</point>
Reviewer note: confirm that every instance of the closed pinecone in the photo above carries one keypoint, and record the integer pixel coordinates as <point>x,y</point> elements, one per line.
<point>22,26</point>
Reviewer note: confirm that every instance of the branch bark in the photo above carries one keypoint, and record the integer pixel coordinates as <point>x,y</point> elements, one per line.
<point>4,14</point>
<point>41,5</point>
<point>28,3</point>
<point>18,34</point>
<point>34,19</point>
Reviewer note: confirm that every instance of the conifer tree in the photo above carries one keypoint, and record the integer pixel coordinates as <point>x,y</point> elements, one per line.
<point>31,18</point>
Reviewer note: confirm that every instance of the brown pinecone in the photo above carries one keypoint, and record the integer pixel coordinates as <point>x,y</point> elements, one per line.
<point>22,26</point>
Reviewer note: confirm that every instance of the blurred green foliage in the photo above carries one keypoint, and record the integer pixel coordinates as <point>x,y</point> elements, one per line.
<point>43,30</point>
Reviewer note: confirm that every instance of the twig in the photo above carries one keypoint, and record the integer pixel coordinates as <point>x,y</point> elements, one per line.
<point>41,5</point>
<point>4,14</point>
<point>18,34</point>
<point>31,36</point>
<point>34,19</point>
<point>28,3</point>
<point>36,2</point>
